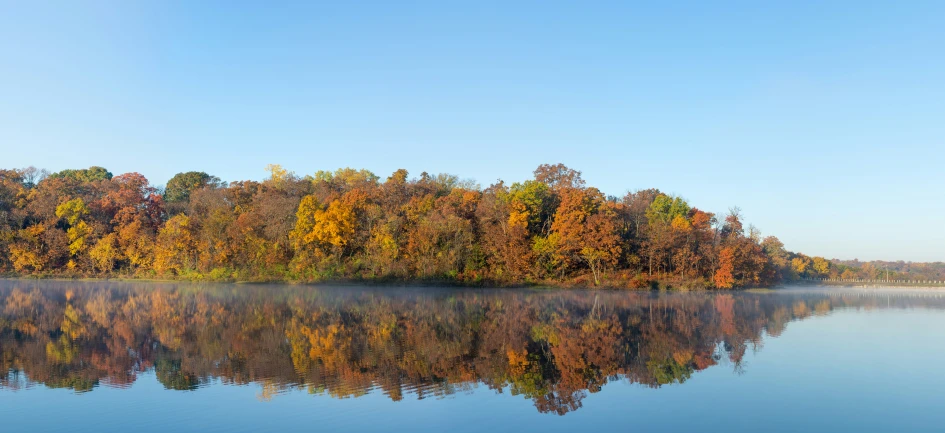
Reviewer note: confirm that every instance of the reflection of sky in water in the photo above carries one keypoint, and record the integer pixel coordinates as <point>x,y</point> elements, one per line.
<point>854,369</point>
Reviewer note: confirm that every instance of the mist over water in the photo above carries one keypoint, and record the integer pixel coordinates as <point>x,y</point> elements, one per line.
<point>109,356</point>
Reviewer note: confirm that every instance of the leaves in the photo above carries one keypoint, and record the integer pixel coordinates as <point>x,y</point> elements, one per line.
<point>724,277</point>
<point>348,224</point>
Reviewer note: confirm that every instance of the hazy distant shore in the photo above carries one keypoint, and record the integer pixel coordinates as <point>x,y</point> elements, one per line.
<point>871,285</point>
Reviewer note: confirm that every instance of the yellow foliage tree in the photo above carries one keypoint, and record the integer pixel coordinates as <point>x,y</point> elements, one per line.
<point>681,223</point>
<point>278,175</point>
<point>322,230</point>
<point>105,253</point>
<point>78,232</point>
<point>25,254</point>
<point>136,244</point>
<point>176,247</point>
<point>383,248</point>
<point>800,265</point>
<point>821,265</point>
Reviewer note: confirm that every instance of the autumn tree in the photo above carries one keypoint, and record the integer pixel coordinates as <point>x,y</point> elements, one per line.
<point>742,257</point>
<point>585,231</point>
<point>135,212</point>
<point>176,246</point>
<point>440,235</point>
<point>13,190</point>
<point>321,231</point>
<point>559,176</point>
<point>801,264</point>
<point>667,225</point>
<point>821,266</point>
<point>600,243</point>
<point>504,234</point>
<point>724,277</point>
<point>74,212</point>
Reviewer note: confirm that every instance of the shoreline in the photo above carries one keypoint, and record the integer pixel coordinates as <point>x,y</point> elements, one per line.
<point>652,285</point>
<point>657,286</point>
<point>846,285</point>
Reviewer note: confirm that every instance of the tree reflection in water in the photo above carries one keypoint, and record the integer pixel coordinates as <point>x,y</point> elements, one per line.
<point>552,347</point>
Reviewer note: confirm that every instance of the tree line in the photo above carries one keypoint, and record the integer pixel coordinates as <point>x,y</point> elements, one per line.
<point>352,225</point>
<point>885,270</point>
<point>552,347</point>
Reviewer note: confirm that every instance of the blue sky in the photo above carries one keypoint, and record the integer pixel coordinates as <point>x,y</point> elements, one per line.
<point>823,121</point>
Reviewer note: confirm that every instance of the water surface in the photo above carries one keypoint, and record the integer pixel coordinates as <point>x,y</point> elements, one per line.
<point>96,356</point>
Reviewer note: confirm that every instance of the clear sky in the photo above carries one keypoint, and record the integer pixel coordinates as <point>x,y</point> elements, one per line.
<point>823,121</point>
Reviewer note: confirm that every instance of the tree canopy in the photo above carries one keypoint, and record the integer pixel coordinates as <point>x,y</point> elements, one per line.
<point>348,224</point>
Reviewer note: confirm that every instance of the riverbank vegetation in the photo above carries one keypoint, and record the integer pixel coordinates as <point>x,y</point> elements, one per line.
<point>350,225</point>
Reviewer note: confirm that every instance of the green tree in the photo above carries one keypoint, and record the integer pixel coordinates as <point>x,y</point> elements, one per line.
<point>90,174</point>
<point>180,186</point>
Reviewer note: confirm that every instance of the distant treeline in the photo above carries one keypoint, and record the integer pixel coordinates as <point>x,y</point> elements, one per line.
<point>877,270</point>
<point>351,225</point>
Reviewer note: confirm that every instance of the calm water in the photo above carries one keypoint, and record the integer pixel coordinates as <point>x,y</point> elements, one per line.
<point>109,357</point>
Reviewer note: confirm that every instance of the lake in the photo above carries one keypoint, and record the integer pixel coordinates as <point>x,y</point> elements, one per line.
<point>159,357</point>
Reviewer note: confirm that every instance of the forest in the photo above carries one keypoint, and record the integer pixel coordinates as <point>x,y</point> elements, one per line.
<point>551,347</point>
<point>350,225</point>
